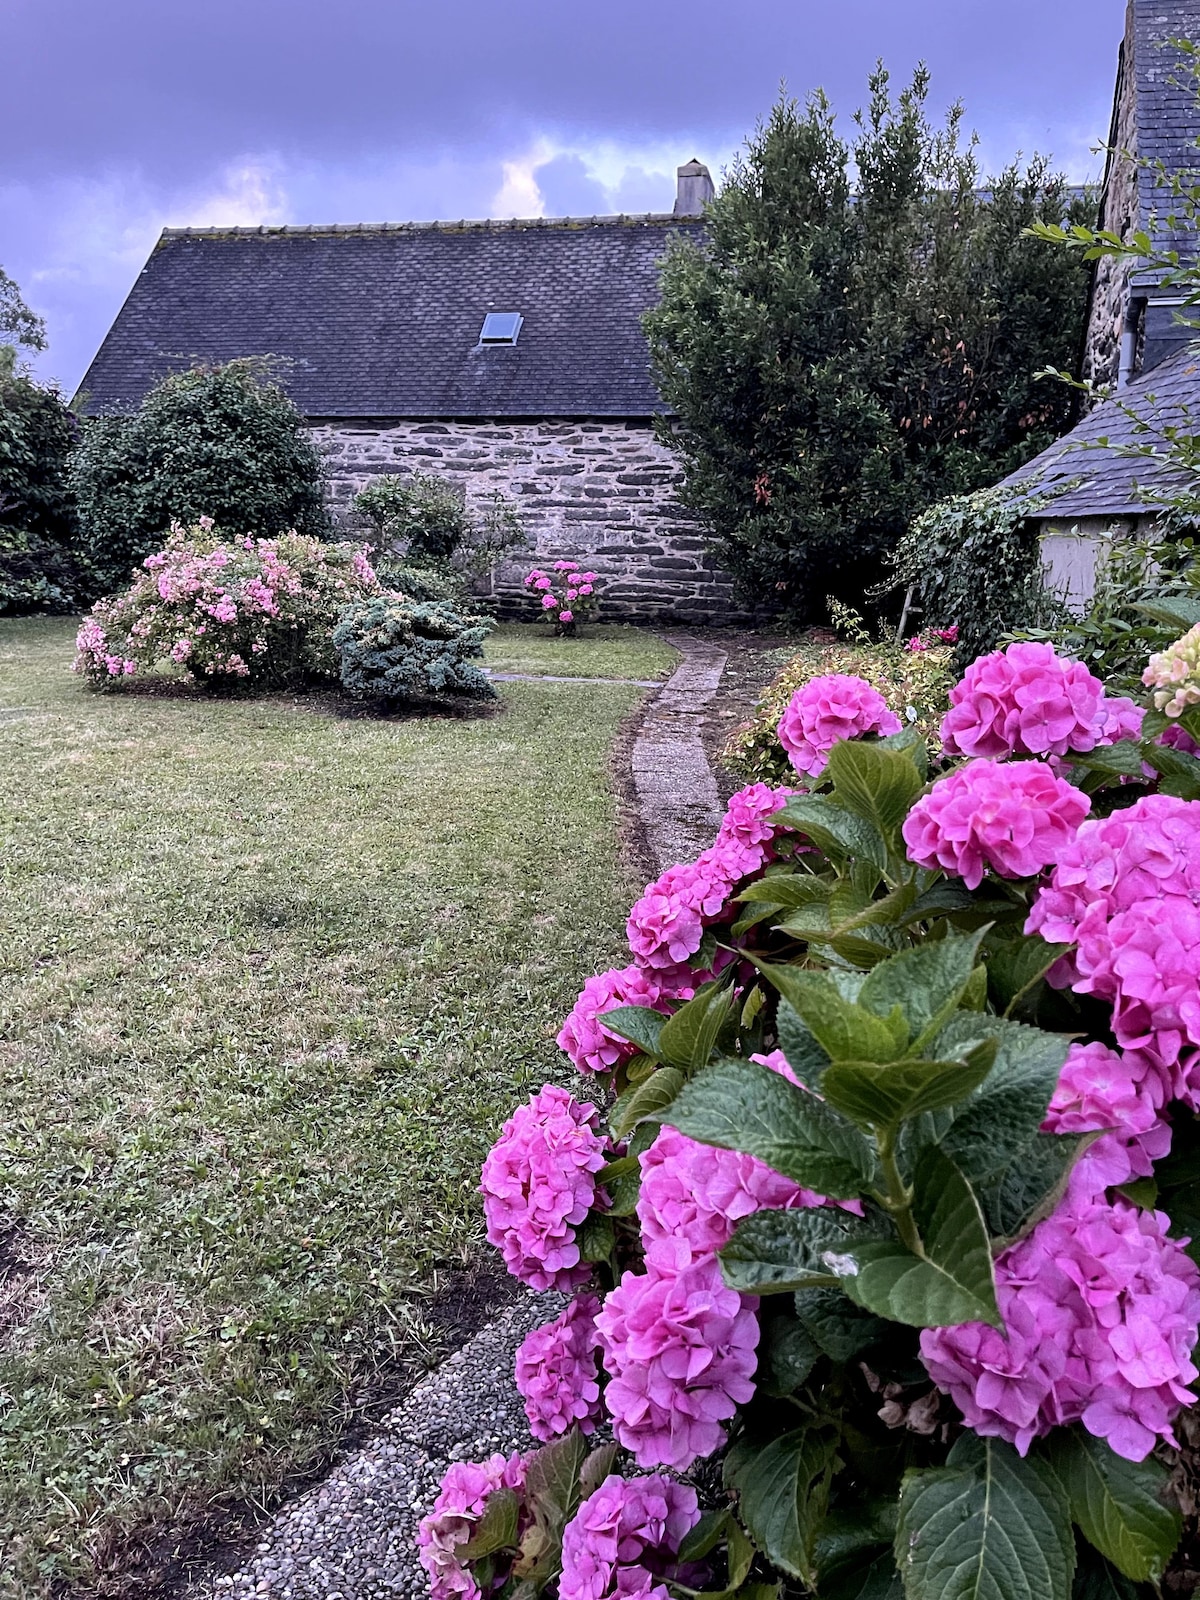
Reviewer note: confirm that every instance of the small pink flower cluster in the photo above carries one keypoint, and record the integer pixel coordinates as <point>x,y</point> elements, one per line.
<point>666,925</point>
<point>539,1183</point>
<point>579,589</point>
<point>931,638</point>
<point>680,1350</point>
<point>1028,701</point>
<point>588,1043</point>
<point>1126,894</point>
<point>828,709</point>
<point>700,1193</point>
<point>461,1503</point>
<point>624,1537</point>
<point>1012,817</point>
<point>557,1371</point>
<point>228,608</point>
<point>1101,1311</point>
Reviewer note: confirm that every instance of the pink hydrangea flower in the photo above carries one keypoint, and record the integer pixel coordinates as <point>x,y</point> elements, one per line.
<point>626,1535</point>
<point>1101,1310</point>
<point>1126,894</point>
<point>666,924</point>
<point>744,839</point>
<point>827,709</point>
<point>461,1502</point>
<point>556,1371</point>
<point>1118,718</point>
<point>566,616</point>
<point>548,602</point>
<point>1014,818</point>
<point>583,1035</point>
<point>680,1351</point>
<point>699,1193</point>
<point>1025,700</point>
<point>538,1184</point>
<point>1099,1088</point>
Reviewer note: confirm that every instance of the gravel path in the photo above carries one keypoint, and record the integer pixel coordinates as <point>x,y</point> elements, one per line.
<point>353,1535</point>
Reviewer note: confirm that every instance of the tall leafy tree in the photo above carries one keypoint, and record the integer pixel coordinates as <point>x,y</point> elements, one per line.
<point>18,324</point>
<point>856,336</point>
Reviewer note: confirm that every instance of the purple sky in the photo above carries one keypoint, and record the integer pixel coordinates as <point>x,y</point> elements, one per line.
<point>121,116</point>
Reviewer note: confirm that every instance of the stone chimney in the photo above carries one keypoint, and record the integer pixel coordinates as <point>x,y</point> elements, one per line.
<point>693,189</point>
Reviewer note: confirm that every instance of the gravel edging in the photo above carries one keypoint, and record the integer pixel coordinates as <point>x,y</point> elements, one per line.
<point>352,1536</point>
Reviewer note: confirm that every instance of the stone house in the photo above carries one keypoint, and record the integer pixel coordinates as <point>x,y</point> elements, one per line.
<point>1136,341</point>
<point>503,355</point>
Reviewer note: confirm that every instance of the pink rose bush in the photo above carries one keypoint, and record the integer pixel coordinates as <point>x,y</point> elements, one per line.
<point>228,610</point>
<point>826,710</point>
<point>566,594</point>
<point>916,1016</point>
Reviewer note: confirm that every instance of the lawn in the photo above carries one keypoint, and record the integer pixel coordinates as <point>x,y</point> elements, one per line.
<point>270,979</point>
<point>603,650</point>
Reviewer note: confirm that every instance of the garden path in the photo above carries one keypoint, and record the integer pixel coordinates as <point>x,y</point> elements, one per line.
<point>353,1535</point>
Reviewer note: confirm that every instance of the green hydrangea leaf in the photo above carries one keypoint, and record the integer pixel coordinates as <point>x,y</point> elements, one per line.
<point>986,1526</point>
<point>782,1486</point>
<point>1119,1505</point>
<point>883,1096</point>
<point>876,783</point>
<point>741,1105</point>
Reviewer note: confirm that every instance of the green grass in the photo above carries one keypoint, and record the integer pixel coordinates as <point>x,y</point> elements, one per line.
<point>603,650</point>
<point>269,983</point>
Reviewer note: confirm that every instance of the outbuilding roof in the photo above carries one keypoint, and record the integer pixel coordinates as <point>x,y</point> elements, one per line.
<point>1165,114</point>
<point>384,320</point>
<point>1097,480</point>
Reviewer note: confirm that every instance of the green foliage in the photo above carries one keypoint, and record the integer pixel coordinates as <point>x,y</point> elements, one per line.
<point>222,442</point>
<point>422,584</point>
<point>915,684</point>
<point>976,563</point>
<point>425,521</point>
<point>1125,621</point>
<point>838,362</point>
<point>18,324</point>
<point>392,649</point>
<point>40,569</point>
<point>923,1045</point>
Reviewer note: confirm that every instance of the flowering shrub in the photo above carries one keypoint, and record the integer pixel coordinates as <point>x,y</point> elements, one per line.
<point>566,594</point>
<point>228,610</point>
<point>894,1196</point>
<point>392,649</point>
<point>1174,674</point>
<point>913,685</point>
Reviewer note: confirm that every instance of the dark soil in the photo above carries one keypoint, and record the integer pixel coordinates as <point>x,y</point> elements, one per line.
<point>219,1535</point>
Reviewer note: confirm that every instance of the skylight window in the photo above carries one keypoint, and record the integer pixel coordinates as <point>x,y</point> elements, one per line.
<point>500,327</point>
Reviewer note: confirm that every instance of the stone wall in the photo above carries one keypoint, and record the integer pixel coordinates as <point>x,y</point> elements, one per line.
<point>1120,212</point>
<point>603,493</point>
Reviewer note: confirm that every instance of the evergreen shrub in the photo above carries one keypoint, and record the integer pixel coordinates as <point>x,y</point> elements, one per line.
<point>223,442</point>
<point>40,566</point>
<point>394,649</point>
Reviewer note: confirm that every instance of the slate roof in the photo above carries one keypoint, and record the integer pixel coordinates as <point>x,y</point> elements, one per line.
<point>383,320</point>
<point>1167,122</point>
<point>1163,397</point>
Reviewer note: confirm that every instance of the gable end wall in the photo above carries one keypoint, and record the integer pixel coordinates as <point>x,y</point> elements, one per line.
<point>601,492</point>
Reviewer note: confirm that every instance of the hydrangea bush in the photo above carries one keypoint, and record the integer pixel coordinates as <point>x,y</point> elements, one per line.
<point>566,594</point>
<point>884,1187</point>
<point>228,610</point>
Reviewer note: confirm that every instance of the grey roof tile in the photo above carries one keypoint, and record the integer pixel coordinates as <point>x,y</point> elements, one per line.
<point>1096,480</point>
<point>382,320</point>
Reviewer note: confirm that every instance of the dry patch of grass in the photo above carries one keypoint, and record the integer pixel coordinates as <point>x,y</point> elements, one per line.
<point>269,982</point>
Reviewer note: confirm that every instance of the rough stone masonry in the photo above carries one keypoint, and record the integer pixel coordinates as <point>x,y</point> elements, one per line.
<point>603,493</point>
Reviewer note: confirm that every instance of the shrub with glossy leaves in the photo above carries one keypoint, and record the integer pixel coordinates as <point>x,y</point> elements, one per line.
<point>394,649</point>
<point>224,442</point>
<point>931,1293</point>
